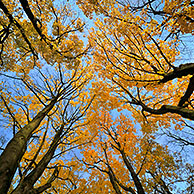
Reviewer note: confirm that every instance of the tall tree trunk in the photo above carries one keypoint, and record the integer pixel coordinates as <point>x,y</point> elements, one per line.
<point>16,148</point>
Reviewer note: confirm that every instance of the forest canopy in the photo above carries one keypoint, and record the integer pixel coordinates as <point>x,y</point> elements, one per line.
<point>96,96</point>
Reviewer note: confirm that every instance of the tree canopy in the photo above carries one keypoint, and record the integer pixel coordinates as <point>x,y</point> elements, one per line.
<point>96,96</point>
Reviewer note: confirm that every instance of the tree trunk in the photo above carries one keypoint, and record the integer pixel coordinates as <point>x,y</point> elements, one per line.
<point>16,148</point>
<point>136,180</point>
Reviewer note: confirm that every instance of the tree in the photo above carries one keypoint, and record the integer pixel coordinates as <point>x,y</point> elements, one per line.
<point>54,98</point>
<point>31,30</point>
<point>137,56</point>
<point>130,159</point>
<point>37,139</point>
<point>137,51</point>
<point>43,105</point>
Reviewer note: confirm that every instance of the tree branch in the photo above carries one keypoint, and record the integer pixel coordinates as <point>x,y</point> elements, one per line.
<point>182,70</point>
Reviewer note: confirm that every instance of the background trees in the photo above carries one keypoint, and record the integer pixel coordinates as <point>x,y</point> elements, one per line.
<point>132,162</point>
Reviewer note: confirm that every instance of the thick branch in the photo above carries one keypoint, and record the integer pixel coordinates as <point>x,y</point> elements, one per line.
<point>130,189</point>
<point>184,112</point>
<point>182,70</point>
<point>44,187</point>
<point>188,92</point>
<point>32,18</point>
<point>114,183</point>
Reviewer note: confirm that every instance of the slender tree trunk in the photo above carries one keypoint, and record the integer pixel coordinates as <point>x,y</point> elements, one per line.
<point>16,148</point>
<point>114,183</point>
<point>136,180</point>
